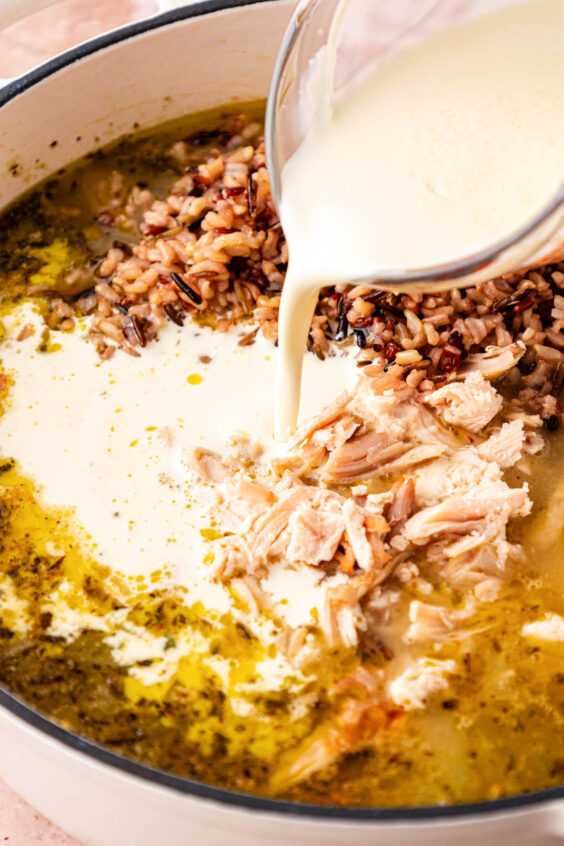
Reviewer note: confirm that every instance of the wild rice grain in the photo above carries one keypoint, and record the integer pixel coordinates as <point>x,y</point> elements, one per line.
<point>110,330</point>
<point>138,328</point>
<point>343,328</point>
<point>173,315</point>
<point>408,357</point>
<point>186,289</point>
<point>360,338</point>
<point>251,195</point>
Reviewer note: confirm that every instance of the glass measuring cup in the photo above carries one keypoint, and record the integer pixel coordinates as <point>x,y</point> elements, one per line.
<point>365,35</point>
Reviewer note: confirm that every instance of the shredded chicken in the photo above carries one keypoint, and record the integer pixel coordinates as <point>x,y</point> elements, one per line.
<point>315,533</point>
<point>402,502</point>
<point>471,404</point>
<point>485,509</point>
<point>494,362</point>
<point>506,446</point>
<point>416,685</point>
<point>329,415</point>
<point>303,524</point>
<point>249,590</point>
<point>243,503</point>
<point>208,465</point>
<point>340,608</point>
<point>359,726</point>
<point>365,528</point>
<point>433,623</point>
<point>376,493</point>
<point>551,628</point>
<point>360,457</point>
<point>232,556</point>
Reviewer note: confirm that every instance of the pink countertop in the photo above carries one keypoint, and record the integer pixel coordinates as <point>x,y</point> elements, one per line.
<point>21,47</point>
<point>53,30</point>
<point>20,825</point>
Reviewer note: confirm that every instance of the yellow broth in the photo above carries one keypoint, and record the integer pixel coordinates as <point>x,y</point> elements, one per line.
<point>497,731</point>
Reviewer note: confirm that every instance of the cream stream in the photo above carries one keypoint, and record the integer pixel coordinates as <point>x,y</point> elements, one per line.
<point>446,151</point>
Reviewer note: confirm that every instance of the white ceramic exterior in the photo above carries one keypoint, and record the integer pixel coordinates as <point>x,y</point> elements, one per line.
<point>154,72</point>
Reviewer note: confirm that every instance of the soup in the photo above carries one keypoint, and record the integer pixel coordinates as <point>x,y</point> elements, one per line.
<point>369,615</point>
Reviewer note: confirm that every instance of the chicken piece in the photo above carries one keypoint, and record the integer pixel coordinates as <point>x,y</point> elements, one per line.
<point>486,509</point>
<point>255,496</point>
<point>209,465</point>
<point>494,362</point>
<point>250,591</point>
<point>340,611</point>
<point>533,443</point>
<point>453,475</point>
<point>358,727</point>
<point>232,557</point>
<point>300,462</point>
<point>361,682</point>
<point>403,500</point>
<point>471,404</point>
<point>315,533</point>
<point>551,628</point>
<point>428,623</point>
<point>361,456</point>
<point>412,458</point>
<point>244,450</point>
<point>488,590</point>
<point>416,685</point>
<point>530,421</point>
<point>476,560</point>
<point>430,431</point>
<point>408,573</point>
<point>301,523</point>
<point>334,436</point>
<point>434,624</point>
<point>325,418</point>
<point>356,534</point>
<point>270,537</point>
<point>361,526</point>
<point>243,504</point>
<point>506,446</point>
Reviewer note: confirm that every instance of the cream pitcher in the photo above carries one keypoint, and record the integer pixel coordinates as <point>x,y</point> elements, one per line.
<point>413,144</point>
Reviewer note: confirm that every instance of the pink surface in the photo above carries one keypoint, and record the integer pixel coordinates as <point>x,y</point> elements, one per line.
<point>22,46</point>
<point>53,30</point>
<point>20,825</point>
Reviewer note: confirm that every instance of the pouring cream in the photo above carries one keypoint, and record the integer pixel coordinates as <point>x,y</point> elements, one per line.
<point>446,151</point>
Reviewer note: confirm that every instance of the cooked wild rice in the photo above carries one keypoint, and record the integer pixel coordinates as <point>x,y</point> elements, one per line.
<point>214,249</point>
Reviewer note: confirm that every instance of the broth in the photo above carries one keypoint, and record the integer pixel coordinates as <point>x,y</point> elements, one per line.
<point>86,640</point>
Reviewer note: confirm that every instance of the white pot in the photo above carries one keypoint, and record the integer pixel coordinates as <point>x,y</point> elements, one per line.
<point>189,59</point>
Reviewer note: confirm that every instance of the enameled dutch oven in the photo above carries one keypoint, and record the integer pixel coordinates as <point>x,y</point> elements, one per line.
<point>195,57</point>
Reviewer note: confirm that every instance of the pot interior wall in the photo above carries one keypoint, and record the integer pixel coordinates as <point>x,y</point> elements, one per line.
<point>136,82</point>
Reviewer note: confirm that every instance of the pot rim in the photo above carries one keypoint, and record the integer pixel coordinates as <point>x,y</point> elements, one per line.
<point>238,801</point>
